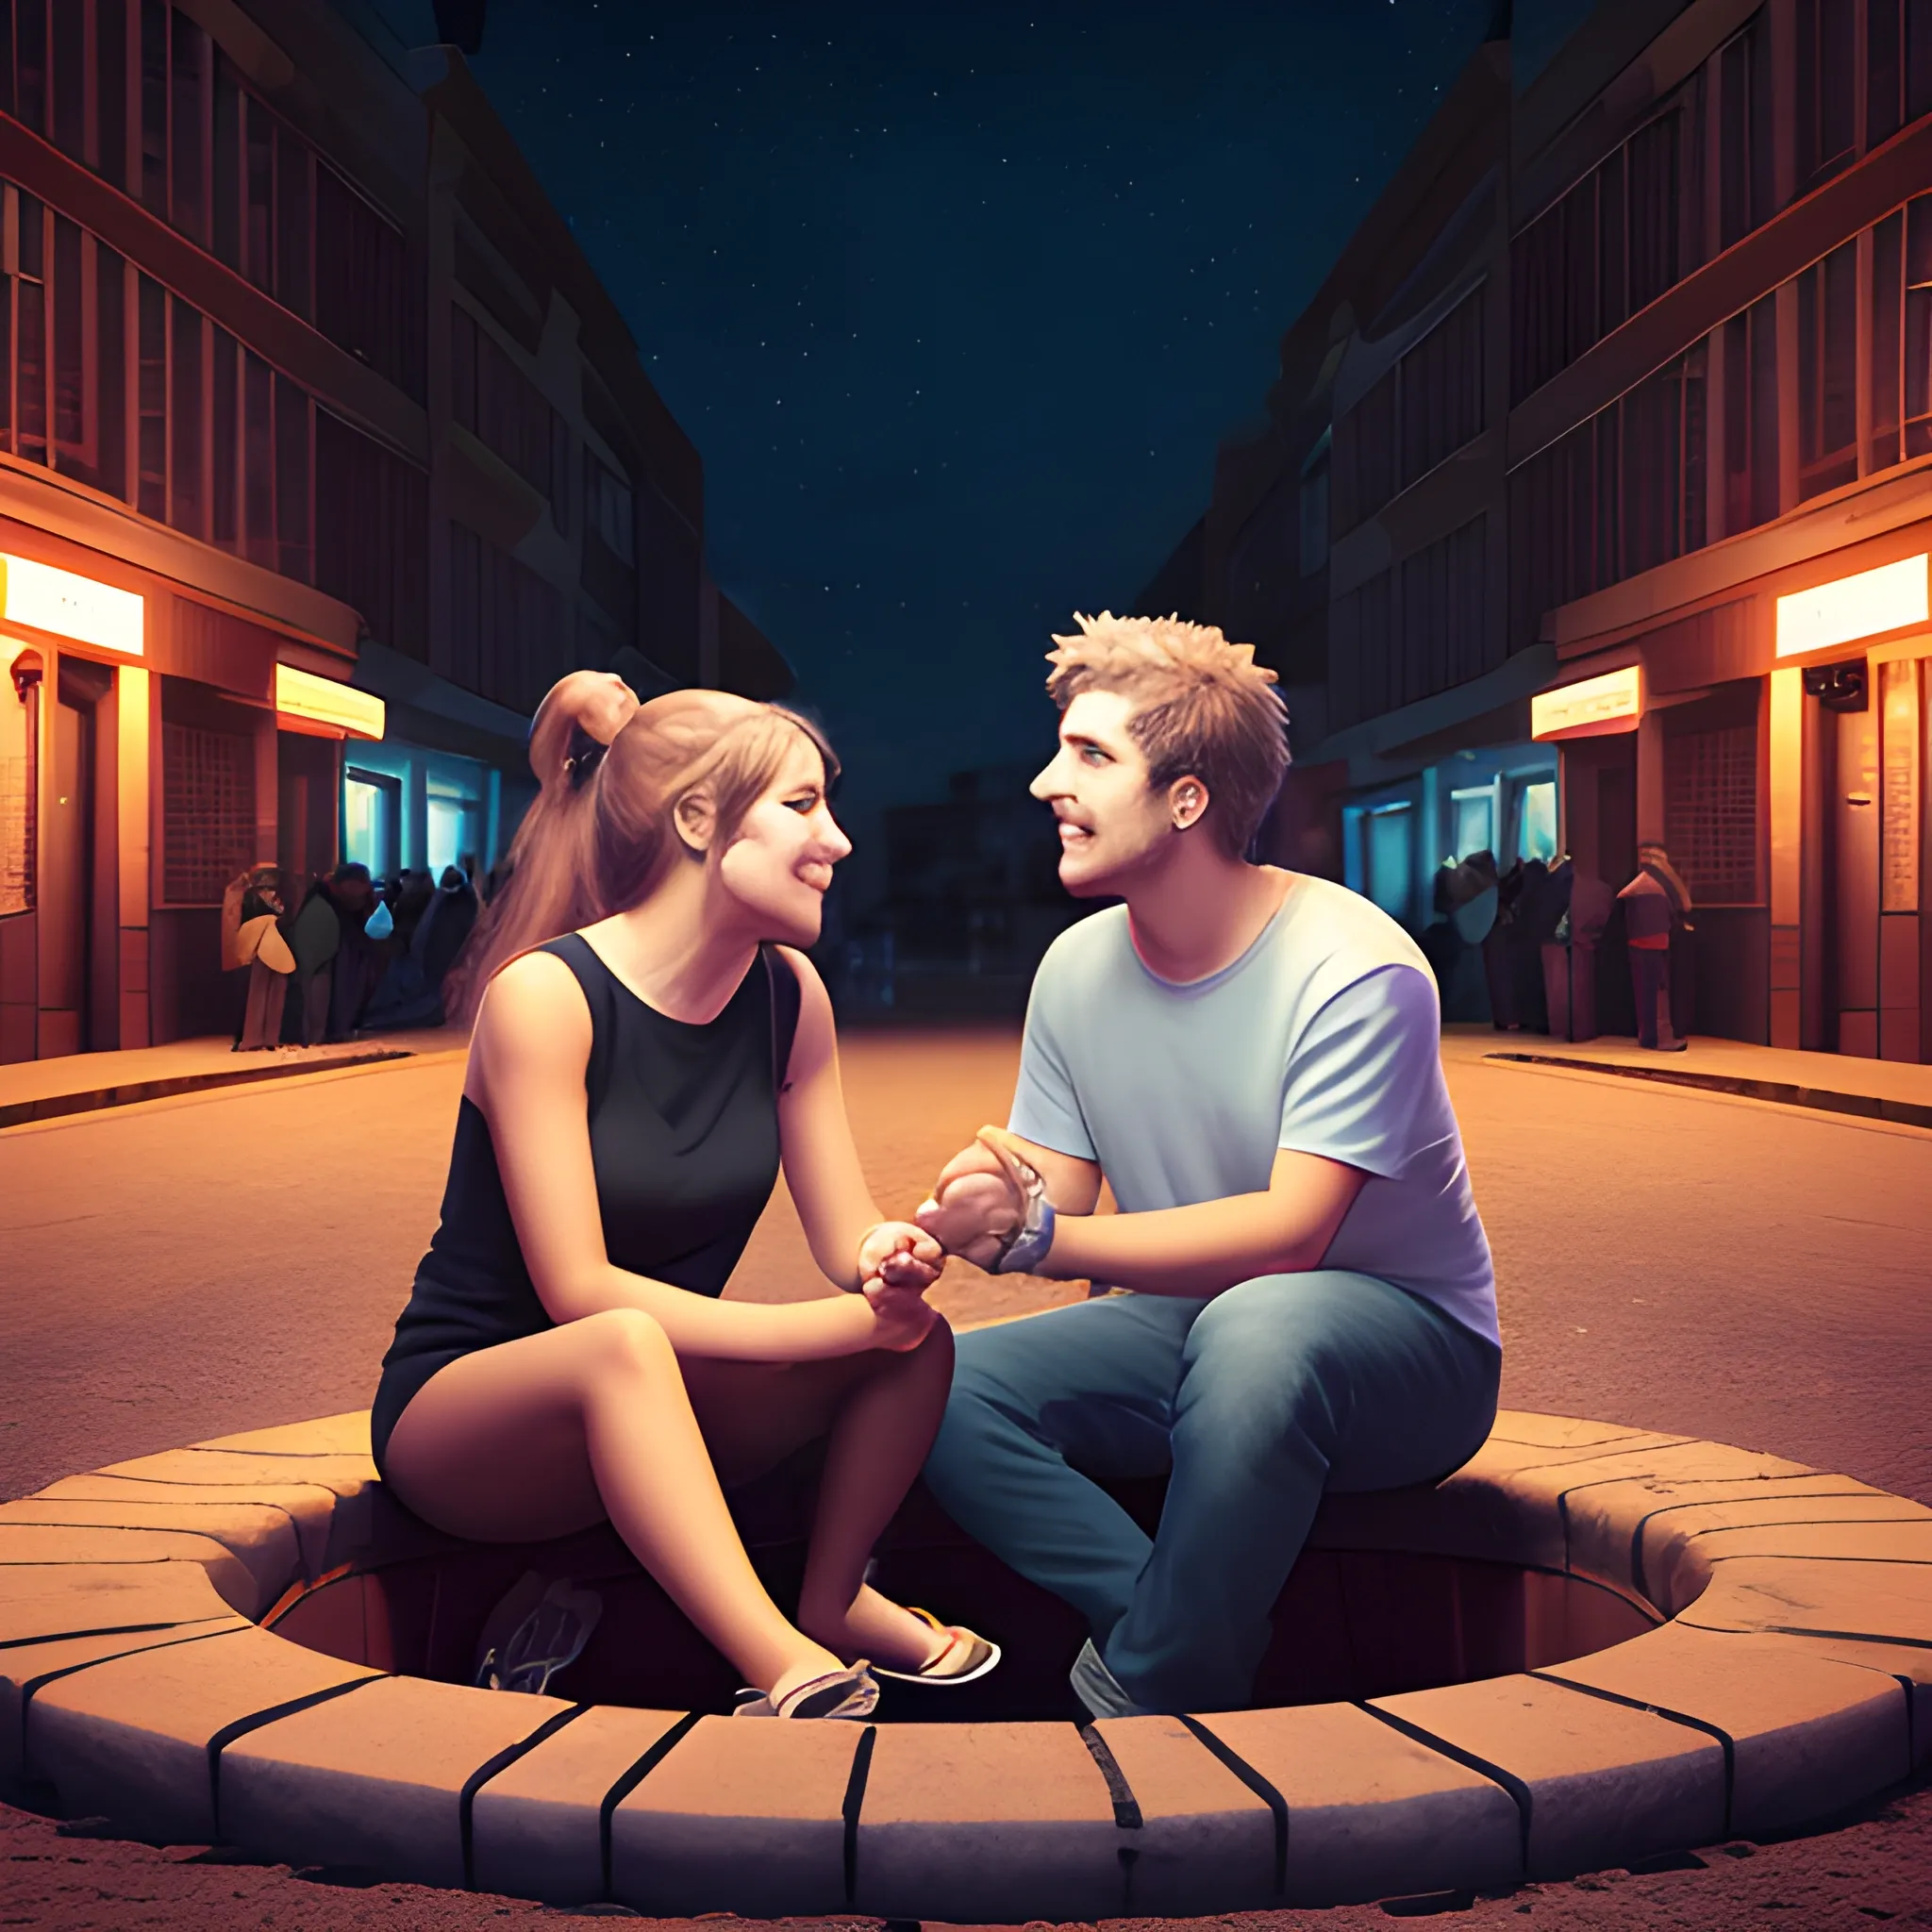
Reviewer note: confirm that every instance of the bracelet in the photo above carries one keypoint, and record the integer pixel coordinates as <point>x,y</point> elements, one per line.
<point>1027,1247</point>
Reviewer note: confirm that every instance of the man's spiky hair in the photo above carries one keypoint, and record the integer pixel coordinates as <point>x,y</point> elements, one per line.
<point>1204,709</point>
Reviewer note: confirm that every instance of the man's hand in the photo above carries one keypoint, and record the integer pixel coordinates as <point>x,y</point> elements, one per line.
<point>979,1199</point>
<point>901,1255</point>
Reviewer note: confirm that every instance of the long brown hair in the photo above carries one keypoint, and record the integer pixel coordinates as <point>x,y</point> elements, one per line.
<point>550,885</point>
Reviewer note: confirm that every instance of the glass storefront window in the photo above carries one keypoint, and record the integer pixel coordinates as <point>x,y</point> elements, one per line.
<point>454,823</point>
<point>1392,859</point>
<point>1535,821</point>
<point>1472,812</point>
<point>371,820</point>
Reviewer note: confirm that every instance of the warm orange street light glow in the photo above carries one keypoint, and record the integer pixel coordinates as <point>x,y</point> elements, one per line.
<point>1613,702</point>
<point>1887,598</point>
<point>71,606</point>
<point>323,701</point>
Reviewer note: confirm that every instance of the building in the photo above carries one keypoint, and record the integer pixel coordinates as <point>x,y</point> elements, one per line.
<point>322,453</point>
<point>1651,522</point>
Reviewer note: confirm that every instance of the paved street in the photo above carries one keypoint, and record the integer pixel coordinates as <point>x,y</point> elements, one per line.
<point>1672,1259</point>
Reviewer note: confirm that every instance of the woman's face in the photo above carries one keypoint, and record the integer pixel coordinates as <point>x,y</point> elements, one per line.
<point>780,860</point>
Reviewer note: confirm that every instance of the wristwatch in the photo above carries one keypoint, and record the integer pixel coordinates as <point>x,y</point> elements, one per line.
<point>1027,1246</point>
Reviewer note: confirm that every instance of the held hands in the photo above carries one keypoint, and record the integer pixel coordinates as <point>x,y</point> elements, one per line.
<point>979,1200</point>
<point>897,1263</point>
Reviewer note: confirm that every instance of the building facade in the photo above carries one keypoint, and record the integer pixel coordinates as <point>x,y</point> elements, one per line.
<point>1629,511</point>
<point>322,453</point>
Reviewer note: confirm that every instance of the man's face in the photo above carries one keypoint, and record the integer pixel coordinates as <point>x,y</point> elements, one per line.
<point>1113,825</point>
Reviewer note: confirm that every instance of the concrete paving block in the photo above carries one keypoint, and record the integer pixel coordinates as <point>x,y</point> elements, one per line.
<point>260,1536</point>
<point>40,1545</point>
<point>1606,1783</point>
<point>1696,1556</point>
<point>1809,1734</point>
<point>988,1824</point>
<point>341,1474</point>
<point>128,1740</point>
<point>305,1508</point>
<point>41,1601</point>
<point>535,1826</point>
<point>1205,1840</point>
<point>745,1815</point>
<point>1628,1532</point>
<point>24,1665</point>
<point>1526,1428</point>
<point>1370,1813</point>
<point>1888,1602</point>
<point>374,1779</point>
<point>330,1435</point>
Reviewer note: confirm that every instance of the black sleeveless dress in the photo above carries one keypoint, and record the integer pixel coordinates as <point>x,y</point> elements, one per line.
<point>684,1141</point>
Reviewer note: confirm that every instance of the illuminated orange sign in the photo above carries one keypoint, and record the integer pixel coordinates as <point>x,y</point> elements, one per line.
<point>72,605</point>
<point>300,694</point>
<point>1613,702</point>
<point>1887,598</point>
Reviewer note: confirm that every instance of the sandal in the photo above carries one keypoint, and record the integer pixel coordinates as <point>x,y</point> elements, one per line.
<point>848,1693</point>
<point>981,1655</point>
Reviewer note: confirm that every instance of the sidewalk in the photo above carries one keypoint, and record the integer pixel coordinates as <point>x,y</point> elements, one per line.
<point>82,1082</point>
<point>1830,1082</point>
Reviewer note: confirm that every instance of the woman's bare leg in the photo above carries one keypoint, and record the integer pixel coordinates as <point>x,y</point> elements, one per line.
<point>536,1437</point>
<point>880,1412</point>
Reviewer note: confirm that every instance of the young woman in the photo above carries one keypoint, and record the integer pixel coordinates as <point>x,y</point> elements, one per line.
<point>550,883</point>
<point>565,1357</point>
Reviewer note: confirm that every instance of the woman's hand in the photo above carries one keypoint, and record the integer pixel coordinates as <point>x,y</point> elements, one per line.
<point>901,1255</point>
<point>901,1317</point>
<point>974,1215</point>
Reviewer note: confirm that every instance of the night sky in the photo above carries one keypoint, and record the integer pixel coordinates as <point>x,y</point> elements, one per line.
<point>957,300</point>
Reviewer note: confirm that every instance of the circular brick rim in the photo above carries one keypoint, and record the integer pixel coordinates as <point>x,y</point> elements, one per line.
<point>1791,1675</point>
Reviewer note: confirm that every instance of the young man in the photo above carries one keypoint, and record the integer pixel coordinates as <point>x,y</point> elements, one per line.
<point>1249,1058</point>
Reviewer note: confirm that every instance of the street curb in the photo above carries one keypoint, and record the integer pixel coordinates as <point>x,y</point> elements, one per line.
<point>1788,1675</point>
<point>1904,1113</point>
<point>132,1092</point>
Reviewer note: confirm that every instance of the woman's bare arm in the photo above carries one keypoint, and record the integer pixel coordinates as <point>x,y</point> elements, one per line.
<point>528,1061</point>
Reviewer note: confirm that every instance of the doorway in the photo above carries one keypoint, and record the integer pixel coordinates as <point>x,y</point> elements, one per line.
<point>74,949</point>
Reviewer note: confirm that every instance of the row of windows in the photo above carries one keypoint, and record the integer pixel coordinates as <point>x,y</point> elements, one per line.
<point>1413,629</point>
<point>1422,411</point>
<point>139,92</point>
<point>499,405</point>
<point>508,633</point>
<point>1645,216</point>
<point>1632,488</point>
<point>107,377</point>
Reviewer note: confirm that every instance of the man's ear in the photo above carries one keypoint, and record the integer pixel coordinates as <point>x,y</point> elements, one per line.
<point>696,819</point>
<point>1187,799</point>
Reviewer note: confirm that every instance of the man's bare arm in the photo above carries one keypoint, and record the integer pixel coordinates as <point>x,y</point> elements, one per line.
<point>1194,1251</point>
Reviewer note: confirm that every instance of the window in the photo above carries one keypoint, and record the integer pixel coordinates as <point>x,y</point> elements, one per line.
<point>454,830</point>
<point>1711,811</point>
<point>1618,238</point>
<point>1441,384</point>
<point>371,534</point>
<point>1751,418</point>
<point>1365,456</point>
<point>365,299</point>
<point>1536,820</point>
<point>1899,346</point>
<point>208,791</point>
<point>609,508</point>
<point>1471,819</point>
<point>1827,373</point>
<point>508,641</point>
<point>503,408</point>
<point>1392,859</point>
<point>1746,182</point>
<point>1824,73</point>
<point>1898,56</point>
<point>372,821</point>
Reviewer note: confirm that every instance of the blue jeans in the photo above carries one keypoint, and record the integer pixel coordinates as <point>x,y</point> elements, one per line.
<point>1257,1401</point>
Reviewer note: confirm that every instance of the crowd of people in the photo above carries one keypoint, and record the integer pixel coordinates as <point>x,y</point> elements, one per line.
<point>332,956</point>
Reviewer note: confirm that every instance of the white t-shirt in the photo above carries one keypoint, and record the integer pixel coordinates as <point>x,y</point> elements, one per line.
<point>1324,1037</point>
